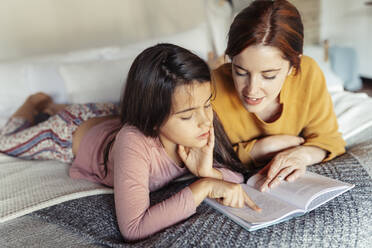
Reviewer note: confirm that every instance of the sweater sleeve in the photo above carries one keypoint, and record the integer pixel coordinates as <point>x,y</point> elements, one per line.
<point>136,218</point>
<point>321,129</point>
<point>243,149</point>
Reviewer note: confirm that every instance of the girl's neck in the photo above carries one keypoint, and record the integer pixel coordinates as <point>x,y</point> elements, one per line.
<point>171,150</point>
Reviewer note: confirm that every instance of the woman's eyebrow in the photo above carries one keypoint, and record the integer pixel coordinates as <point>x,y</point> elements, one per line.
<point>241,68</point>
<point>271,70</point>
<point>189,109</point>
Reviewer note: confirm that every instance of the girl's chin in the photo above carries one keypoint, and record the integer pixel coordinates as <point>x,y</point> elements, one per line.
<point>199,143</point>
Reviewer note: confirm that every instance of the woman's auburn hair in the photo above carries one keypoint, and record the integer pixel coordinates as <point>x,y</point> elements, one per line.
<point>270,23</point>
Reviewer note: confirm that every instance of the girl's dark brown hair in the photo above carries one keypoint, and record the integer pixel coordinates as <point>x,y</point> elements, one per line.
<point>147,99</point>
<point>271,23</point>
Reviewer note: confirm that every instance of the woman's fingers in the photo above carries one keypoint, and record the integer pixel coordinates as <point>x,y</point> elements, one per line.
<point>272,168</point>
<point>295,174</point>
<point>282,175</point>
<point>276,165</point>
<point>264,170</point>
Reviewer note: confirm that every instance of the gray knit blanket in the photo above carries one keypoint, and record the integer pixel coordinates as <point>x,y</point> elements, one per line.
<point>343,222</point>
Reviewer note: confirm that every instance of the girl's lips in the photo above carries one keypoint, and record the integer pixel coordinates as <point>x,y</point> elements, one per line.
<point>204,135</point>
<point>253,101</point>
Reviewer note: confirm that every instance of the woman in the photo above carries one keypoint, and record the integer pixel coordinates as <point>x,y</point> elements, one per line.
<point>273,101</point>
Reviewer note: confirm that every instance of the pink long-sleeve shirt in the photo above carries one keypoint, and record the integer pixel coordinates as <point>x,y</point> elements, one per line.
<point>137,165</point>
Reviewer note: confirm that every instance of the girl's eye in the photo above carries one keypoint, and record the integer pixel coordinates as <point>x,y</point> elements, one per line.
<point>186,118</point>
<point>208,105</point>
<point>269,78</point>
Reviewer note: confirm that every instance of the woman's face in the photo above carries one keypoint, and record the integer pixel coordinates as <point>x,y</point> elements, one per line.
<point>191,116</point>
<point>259,73</point>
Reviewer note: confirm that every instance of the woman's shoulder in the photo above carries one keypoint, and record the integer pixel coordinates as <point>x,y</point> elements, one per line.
<point>309,65</point>
<point>222,73</point>
<point>309,81</point>
<point>222,78</point>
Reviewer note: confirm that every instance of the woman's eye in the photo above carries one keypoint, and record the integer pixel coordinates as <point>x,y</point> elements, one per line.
<point>240,74</point>
<point>208,105</point>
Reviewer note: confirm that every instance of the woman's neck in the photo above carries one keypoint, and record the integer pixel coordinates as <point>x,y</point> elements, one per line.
<point>272,112</point>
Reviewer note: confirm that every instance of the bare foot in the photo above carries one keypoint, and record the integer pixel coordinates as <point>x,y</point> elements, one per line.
<point>54,108</point>
<point>36,104</point>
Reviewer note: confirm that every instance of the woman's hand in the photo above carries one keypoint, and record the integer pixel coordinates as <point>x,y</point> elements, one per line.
<point>199,161</point>
<point>290,164</point>
<point>266,148</point>
<point>226,193</point>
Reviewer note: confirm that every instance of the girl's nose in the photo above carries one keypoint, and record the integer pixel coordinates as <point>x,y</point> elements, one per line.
<point>205,118</point>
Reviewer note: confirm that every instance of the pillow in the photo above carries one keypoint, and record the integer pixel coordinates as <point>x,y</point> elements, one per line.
<point>46,77</point>
<point>334,82</point>
<point>70,56</point>
<point>14,87</point>
<point>317,53</point>
<point>196,40</point>
<point>95,81</point>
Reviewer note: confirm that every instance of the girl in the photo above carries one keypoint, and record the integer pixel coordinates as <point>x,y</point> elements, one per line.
<point>165,129</point>
<point>273,101</point>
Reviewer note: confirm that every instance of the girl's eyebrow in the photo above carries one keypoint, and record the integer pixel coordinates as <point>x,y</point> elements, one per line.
<point>189,109</point>
<point>241,68</point>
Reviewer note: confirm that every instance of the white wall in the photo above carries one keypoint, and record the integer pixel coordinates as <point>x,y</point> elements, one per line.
<point>349,22</point>
<point>33,27</point>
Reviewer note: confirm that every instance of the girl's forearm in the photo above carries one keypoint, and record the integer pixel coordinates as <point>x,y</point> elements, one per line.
<point>200,190</point>
<point>211,173</point>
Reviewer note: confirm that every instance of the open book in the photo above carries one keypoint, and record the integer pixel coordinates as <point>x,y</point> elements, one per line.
<point>284,202</point>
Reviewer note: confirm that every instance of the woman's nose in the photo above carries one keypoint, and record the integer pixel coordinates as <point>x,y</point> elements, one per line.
<point>252,86</point>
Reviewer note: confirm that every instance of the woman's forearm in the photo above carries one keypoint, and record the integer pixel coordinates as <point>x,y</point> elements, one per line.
<point>266,148</point>
<point>312,154</point>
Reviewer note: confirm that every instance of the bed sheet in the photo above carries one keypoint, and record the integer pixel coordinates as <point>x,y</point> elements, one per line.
<point>344,221</point>
<point>27,186</point>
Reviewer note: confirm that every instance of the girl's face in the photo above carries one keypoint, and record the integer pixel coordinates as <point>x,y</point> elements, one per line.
<point>259,73</point>
<point>191,116</point>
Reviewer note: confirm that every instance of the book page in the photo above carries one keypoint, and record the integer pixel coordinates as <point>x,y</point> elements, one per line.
<point>303,190</point>
<point>273,209</point>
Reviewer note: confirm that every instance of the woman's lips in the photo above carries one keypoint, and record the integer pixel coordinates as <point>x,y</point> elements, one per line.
<point>252,100</point>
<point>204,135</point>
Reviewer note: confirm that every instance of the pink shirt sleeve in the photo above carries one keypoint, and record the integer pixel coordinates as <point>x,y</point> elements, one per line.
<point>231,176</point>
<point>135,217</point>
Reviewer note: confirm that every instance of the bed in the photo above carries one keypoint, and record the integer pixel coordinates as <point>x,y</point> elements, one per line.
<point>40,206</point>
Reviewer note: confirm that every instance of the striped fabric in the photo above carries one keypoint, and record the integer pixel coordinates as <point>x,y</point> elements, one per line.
<point>51,139</point>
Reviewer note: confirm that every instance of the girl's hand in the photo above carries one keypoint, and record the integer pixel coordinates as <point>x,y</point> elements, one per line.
<point>266,148</point>
<point>199,161</point>
<point>231,195</point>
<point>290,164</point>
<point>226,193</point>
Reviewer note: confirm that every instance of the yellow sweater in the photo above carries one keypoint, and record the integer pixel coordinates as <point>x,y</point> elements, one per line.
<point>307,112</point>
